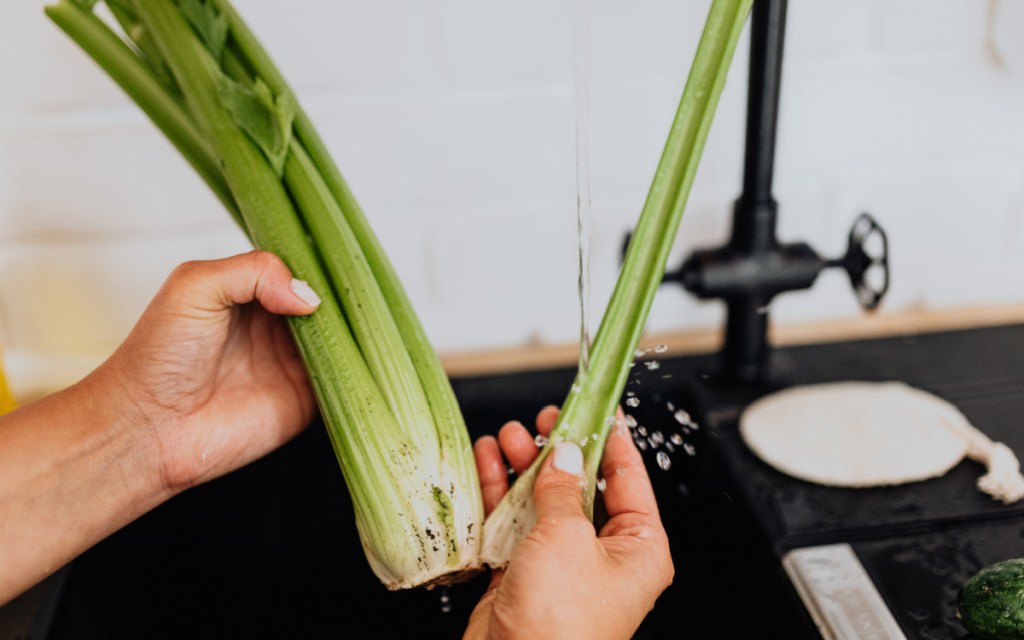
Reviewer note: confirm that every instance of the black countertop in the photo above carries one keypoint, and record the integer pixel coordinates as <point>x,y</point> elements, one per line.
<point>271,550</point>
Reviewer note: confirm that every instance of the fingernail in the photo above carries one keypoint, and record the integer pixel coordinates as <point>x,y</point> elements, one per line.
<point>305,292</point>
<point>568,457</point>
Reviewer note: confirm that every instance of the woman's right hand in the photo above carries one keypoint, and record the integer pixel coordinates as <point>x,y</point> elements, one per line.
<point>566,580</point>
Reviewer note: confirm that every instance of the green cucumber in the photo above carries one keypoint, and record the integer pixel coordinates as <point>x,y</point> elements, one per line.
<point>990,604</point>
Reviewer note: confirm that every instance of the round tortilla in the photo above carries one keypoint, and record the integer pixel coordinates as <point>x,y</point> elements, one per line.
<point>856,434</point>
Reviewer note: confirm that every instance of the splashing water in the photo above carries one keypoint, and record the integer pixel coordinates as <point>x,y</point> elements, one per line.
<point>663,443</point>
<point>446,601</point>
<point>682,417</point>
<point>664,461</point>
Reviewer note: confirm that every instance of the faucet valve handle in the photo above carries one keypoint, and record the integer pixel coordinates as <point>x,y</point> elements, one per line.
<point>866,261</point>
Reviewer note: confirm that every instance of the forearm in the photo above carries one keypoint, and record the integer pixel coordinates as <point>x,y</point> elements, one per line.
<point>74,467</point>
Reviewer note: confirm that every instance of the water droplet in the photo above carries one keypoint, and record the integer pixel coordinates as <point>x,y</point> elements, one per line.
<point>641,445</point>
<point>689,449</point>
<point>671,407</point>
<point>630,421</point>
<point>670,447</point>
<point>446,603</point>
<point>682,417</point>
<point>583,441</point>
<point>642,430</point>
<point>676,439</point>
<point>657,438</point>
<point>576,388</point>
<point>663,460</point>
<point>661,348</point>
<point>639,353</point>
<point>652,365</point>
<point>633,401</point>
<point>602,484</point>
<point>540,440</point>
<point>609,420</point>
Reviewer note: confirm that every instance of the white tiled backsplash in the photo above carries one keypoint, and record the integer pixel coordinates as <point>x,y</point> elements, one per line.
<point>454,122</point>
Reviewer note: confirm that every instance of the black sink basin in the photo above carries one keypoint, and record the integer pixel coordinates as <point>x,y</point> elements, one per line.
<point>271,550</point>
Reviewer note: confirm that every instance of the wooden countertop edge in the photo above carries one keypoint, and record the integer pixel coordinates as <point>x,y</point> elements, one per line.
<point>867,326</point>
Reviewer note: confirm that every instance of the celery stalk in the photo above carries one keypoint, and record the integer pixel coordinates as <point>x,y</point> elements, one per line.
<point>139,82</point>
<point>589,410</point>
<point>443,403</point>
<point>392,419</point>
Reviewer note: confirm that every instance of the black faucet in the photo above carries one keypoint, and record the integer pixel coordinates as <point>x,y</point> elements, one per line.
<point>753,266</point>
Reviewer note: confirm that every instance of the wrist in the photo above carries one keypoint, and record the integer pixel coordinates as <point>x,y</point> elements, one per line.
<point>77,467</point>
<point>124,434</point>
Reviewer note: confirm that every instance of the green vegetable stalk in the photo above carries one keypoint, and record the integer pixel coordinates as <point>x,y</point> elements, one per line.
<point>589,410</point>
<point>201,75</point>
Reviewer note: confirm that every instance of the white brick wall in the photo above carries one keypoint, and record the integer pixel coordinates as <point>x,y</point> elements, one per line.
<point>453,121</point>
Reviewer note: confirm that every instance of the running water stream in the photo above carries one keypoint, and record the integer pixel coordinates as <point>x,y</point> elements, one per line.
<point>655,441</point>
<point>583,175</point>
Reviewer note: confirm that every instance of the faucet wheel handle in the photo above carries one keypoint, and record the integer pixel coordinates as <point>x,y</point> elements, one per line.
<point>867,261</point>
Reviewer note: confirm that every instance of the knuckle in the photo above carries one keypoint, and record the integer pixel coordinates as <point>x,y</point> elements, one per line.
<point>183,275</point>
<point>185,270</point>
<point>266,260</point>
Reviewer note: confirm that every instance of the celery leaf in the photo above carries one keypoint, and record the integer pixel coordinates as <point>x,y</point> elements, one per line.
<point>208,22</point>
<point>265,118</point>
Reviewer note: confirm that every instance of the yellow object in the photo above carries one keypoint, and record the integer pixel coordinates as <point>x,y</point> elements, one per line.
<point>6,399</point>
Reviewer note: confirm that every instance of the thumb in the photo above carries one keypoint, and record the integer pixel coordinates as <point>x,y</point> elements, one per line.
<point>214,285</point>
<point>558,489</point>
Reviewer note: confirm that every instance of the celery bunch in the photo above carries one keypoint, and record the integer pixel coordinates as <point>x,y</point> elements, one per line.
<point>589,410</point>
<point>205,81</point>
<point>202,77</point>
